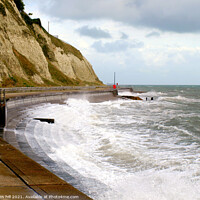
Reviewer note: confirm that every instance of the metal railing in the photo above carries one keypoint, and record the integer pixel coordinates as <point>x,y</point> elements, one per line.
<point>26,89</point>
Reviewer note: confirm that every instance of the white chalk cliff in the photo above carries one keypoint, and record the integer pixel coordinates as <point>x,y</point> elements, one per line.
<point>30,56</point>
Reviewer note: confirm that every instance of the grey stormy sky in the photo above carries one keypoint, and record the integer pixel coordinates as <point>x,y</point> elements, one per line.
<point>143,41</point>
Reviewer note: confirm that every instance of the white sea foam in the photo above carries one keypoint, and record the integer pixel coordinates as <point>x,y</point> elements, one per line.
<point>138,149</point>
<point>179,99</point>
<point>123,93</point>
<point>149,185</point>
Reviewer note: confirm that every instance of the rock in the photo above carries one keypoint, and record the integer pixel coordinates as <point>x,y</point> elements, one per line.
<point>131,97</point>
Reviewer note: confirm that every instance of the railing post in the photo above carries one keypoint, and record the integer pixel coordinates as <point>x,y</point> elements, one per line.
<point>3,109</point>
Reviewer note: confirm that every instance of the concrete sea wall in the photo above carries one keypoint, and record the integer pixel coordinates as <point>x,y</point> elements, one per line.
<point>13,158</point>
<point>17,105</point>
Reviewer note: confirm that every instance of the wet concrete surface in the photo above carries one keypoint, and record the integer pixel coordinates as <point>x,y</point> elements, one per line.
<point>22,176</point>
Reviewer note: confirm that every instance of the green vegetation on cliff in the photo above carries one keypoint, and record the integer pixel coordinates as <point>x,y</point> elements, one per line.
<point>59,77</point>
<point>20,5</point>
<point>66,47</point>
<point>26,65</point>
<point>16,81</point>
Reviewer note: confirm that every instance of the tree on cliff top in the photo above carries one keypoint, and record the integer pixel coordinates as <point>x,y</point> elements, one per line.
<point>20,5</point>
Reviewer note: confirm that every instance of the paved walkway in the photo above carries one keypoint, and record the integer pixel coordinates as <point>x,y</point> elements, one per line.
<point>23,178</point>
<point>30,93</point>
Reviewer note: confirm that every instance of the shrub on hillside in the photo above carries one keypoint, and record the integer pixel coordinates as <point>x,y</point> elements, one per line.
<point>20,5</point>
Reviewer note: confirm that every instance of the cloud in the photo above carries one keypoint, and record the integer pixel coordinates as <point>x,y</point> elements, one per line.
<point>116,46</point>
<point>149,66</point>
<point>171,15</point>
<point>153,34</point>
<point>124,36</point>
<point>96,33</point>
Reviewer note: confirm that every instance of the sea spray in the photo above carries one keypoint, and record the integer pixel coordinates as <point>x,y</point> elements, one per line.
<point>126,149</point>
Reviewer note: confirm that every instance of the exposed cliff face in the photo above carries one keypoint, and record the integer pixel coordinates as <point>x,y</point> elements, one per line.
<point>29,56</point>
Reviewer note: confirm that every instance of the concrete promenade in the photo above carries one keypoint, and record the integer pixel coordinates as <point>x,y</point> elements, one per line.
<point>20,176</point>
<point>23,178</point>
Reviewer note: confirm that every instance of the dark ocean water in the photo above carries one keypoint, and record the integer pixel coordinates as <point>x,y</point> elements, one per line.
<point>135,149</point>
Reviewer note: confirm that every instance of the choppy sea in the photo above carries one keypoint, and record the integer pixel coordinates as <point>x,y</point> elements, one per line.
<point>125,149</point>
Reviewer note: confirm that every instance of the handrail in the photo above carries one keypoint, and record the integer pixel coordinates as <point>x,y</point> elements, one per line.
<point>18,89</point>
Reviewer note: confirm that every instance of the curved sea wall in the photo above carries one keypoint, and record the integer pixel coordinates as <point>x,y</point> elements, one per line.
<point>16,106</point>
<point>17,120</point>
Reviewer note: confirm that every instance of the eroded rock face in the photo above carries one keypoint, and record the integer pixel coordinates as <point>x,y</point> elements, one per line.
<point>31,56</point>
